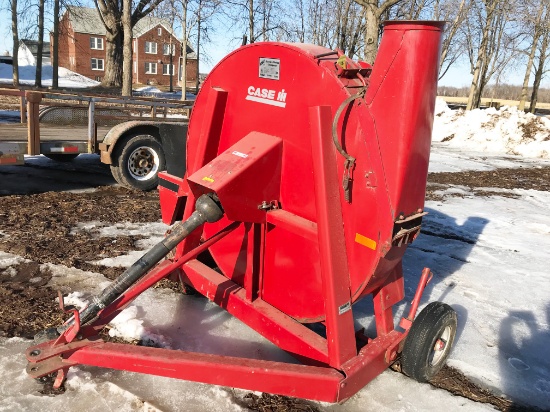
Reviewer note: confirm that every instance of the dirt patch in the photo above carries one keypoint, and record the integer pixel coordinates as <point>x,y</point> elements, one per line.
<point>41,228</point>
<point>452,380</point>
<point>531,128</point>
<point>448,138</point>
<point>520,178</point>
<point>32,306</point>
<point>275,403</point>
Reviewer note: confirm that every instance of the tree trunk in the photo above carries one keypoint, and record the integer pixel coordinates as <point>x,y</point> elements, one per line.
<point>127,49</point>
<point>343,27</point>
<point>481,58</point>
<point>40,47</point>
<point>373,11</point>
<point>184,52</point>
<point>302,34</point>
<point>536,37</point>
<point>528,69</point>
<point>250,23</point>
<point>199,44</point>
<point>539,73</point>
<point>113,59</point>
<point>55,45</point>
<point>450,32</point>
<point>15,34</point>
<point>110,13</point>
<point>371,35</point>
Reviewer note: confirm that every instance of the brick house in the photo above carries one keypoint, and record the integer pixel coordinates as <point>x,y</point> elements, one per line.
<point>82,48</point>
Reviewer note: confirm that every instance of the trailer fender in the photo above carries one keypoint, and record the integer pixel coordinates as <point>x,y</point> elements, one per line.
<point>161,146</point>
<point>123,129</point>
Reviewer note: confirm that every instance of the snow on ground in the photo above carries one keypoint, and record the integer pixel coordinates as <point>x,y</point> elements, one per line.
<point>67,78</point>
<point>504,131</point>
<point>445,158</point>
<point>489,259</point>
<point>152,91</point>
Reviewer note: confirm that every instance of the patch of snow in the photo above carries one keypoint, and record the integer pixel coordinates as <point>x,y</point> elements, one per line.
<point>486,257</point>
<point>446,158</point>
<point>505,131</point>
<point>152,91</point>
<point>148,89</point>
<point>8,259</point>
<point>127,326</point>
<point>67,78</point>
<point>77,299</point>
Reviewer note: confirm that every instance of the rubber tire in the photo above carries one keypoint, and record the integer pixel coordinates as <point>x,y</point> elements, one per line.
<point>419,344</point>
<point>121,157</point>
<point>63,158</point>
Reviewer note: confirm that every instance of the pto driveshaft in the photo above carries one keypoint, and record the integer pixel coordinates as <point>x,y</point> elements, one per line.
<point>207,209</point>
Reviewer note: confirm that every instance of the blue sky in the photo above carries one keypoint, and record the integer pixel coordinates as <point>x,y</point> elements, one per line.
<point>223,41</point>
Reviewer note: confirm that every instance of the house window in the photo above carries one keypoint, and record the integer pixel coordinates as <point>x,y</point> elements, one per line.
<point>96,43</point>
<point>150,47</point>
<point>97,64</point>
<point>71,60</point>
<point>98,78</point>
<point>160,31</point>
<point>165,68</point>
<point>166,49</point>
<point>150,68</point>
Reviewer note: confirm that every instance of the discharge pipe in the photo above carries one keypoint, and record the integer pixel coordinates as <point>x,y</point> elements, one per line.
<point>207,210</point>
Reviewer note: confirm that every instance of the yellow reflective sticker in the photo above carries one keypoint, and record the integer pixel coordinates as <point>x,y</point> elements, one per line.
<point>208,179</point>
<point>365,241</point>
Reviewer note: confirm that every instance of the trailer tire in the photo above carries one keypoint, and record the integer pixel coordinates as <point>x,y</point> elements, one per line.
<point>137,161</point>
<point>429,342</point>
<point>64,158</point>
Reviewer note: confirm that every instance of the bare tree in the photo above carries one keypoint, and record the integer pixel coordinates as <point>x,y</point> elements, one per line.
<point>373,13</point>
<point>127,48</point>
<point>330,23</point>
<point>537,30</point>
<point>454,14</point>
<point>40,45</point>
<point>184,5</point>
<point>480,42</point>
<point>110,13</point>
<point>259,19</point>
<point>55,45</point>
<point>15,35</point>
<point>539,72</point>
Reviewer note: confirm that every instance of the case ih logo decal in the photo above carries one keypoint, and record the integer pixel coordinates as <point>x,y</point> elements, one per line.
<point>267,96</point>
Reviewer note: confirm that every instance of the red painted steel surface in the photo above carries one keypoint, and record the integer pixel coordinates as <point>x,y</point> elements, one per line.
<point>388,132</point>
<point>282,378</point>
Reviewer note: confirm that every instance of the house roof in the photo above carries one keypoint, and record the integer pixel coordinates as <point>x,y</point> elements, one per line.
<point>32,45</point>
<point>87,20</point>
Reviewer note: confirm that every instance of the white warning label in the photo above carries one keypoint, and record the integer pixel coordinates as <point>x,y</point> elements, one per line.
<point>269,68</point>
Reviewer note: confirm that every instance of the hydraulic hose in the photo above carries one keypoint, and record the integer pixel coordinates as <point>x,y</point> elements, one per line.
<point>207,210</point>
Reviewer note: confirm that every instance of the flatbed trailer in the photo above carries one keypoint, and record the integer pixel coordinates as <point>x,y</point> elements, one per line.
<point>14,144</point>
<point>130,134</point>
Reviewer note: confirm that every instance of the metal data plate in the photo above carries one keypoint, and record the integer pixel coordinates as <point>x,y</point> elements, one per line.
<point>269,68</point>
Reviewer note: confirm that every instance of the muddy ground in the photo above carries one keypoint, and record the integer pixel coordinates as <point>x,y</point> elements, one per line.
<point>39,227</point>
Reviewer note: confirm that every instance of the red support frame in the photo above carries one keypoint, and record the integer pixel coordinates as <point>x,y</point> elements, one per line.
<point>332,247</point>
